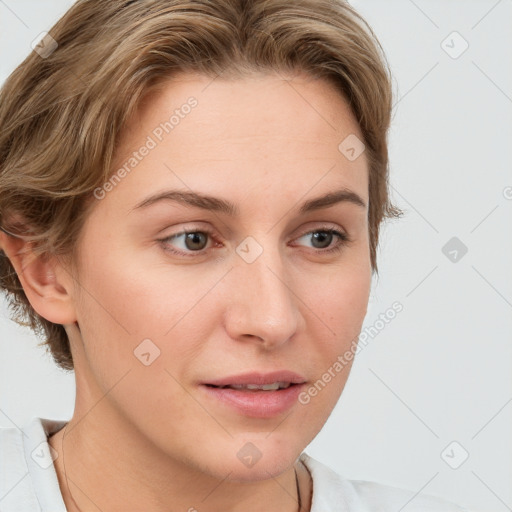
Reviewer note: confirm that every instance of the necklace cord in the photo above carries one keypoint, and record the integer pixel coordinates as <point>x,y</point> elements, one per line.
<point>64,466</point>
<point>299,500</point>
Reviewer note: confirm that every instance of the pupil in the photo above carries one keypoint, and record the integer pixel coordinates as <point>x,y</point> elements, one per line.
<point>199,238</point>
<point>322,236</point>
<point>194,238</point>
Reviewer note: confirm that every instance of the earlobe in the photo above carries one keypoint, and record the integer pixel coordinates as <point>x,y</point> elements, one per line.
<point>39,277</point>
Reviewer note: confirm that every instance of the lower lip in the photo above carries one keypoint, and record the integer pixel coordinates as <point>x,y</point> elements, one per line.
<point>257,404</point>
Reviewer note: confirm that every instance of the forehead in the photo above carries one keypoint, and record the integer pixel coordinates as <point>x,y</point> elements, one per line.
<point>258,104</point>
<point>256,130</point>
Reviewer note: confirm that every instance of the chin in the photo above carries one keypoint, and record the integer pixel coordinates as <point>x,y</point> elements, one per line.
<point>258,456</point>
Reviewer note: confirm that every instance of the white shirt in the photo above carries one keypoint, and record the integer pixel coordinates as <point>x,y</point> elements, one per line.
<point>28,481</point>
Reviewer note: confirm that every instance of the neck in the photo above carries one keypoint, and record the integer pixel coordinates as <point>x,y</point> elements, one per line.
<point>104,463</point>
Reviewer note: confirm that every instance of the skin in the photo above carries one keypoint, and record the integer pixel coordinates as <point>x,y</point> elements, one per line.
<point>146,437</point>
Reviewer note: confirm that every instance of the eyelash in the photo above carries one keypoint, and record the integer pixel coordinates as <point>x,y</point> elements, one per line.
<point>343,240</point>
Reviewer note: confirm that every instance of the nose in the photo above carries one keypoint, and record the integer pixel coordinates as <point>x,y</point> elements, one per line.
<point>263,305</point>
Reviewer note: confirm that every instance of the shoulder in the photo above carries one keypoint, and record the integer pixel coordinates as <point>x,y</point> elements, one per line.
<point>28,481</point>
<point>13,466</point>
<point>332,493</point>
<point>374,494</point>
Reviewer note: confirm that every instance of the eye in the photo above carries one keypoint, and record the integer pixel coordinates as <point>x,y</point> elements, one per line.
<point>323,237</point>
<point>195,241</point>
<point>191,241</point>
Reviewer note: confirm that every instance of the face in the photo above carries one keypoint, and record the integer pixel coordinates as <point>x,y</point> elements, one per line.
<point>181,296</point>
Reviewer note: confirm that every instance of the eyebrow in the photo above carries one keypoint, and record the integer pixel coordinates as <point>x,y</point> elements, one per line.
<point>219,205</point>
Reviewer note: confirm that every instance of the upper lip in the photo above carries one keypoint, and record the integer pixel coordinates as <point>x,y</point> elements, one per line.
<point>258,378</point>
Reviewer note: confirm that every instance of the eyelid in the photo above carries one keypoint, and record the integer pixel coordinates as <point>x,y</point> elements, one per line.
<point>344,239</point>
<point>324,226</point>
<point>188,229</point>
<point>342,235</point>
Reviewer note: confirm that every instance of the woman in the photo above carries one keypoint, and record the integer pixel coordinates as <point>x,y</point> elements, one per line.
<point>135,130</point>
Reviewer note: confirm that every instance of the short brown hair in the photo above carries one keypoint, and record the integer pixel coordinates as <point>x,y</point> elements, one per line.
<point>62,114</point>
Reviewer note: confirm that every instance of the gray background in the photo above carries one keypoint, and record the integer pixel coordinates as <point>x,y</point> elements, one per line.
<point>441,370</point>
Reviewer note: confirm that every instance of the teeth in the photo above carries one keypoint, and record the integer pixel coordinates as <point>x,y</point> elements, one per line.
<point>265,387</point>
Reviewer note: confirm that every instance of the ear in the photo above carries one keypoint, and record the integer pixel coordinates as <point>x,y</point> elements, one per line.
<point>46,283</point>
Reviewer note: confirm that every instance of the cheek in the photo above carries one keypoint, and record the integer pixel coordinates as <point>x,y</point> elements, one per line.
<point>341,301</point>
<point>125,302</point>
<point>123,316</point>
<point>342,307</point>
<point>142,300</point>
<point>341,304</point>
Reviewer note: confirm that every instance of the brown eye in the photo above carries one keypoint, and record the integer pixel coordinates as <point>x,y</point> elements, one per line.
<point>195,241</point>
<point>187,241</point>
<point>323,238</point>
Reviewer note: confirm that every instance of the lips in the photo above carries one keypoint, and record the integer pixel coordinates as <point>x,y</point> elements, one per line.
<point>256,395</point>
<point>275,386</point>
<point>258,379</point>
